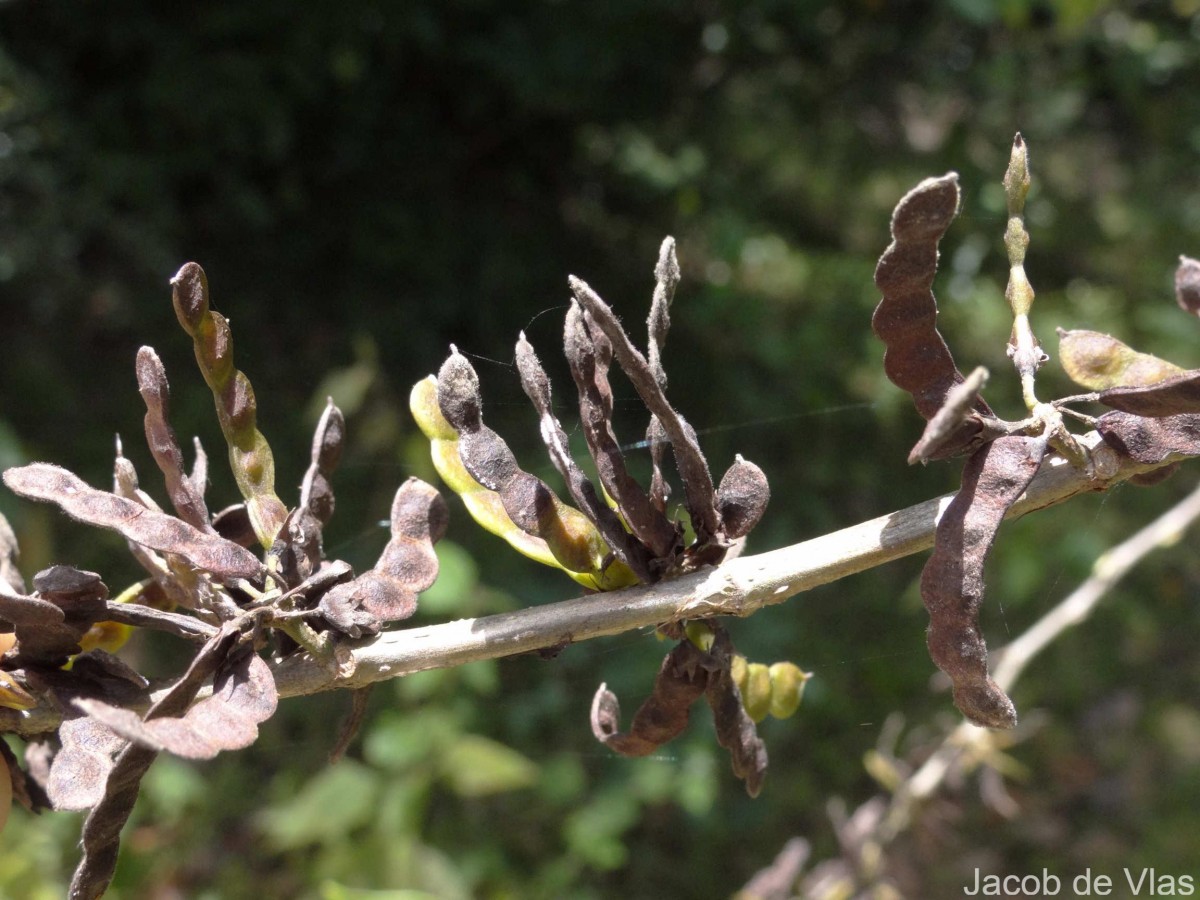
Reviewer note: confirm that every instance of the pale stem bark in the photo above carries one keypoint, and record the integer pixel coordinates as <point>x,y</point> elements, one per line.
<point>738,588</point>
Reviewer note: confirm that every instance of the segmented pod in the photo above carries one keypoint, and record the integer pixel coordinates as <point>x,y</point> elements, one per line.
<point>487,507</point>
<point>250,455</point>
<point>774,690</point>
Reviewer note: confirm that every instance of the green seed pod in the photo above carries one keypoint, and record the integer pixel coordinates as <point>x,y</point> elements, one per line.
<point>787,688</point>
<point>739,671</point>
<point>756,697</point>
<point>701,634</point>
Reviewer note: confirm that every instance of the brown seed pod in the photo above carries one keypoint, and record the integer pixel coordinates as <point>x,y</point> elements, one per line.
<point>589,354</point>
<point>735,728</point>
<point>316,493</point>
<point>689,460</point>
<point>1187,285</point>
<point>1150,440</point>
<point>408,565</point>
<point>243,697</point>
<point>1174,396</point>
<point>186,498</point>
<point>537,387</point>
<point>952,586</point>
<point>917,358</point>
<point>742,497</point>
<point>528,501</point>
<point>680,682</point>
<point>207,551</point>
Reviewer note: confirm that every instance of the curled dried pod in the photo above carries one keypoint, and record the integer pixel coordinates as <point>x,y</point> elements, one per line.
<point>680,682</point>
<point>735,728</point>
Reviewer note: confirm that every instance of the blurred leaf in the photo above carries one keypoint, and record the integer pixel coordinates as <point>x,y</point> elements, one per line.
<point>331,890</point>
<point>332,804</point>
<point>475,766</point>
<point>593,832</point>
<point>458,576</point>
<point>397,740</point>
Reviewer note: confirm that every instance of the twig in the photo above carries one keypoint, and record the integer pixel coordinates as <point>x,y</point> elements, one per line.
<point>737,588</point>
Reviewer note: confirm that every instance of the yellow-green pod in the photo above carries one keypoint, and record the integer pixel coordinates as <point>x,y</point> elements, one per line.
<point>13,696</point>
<point>787,688</point>
<point>756,698</point>
<point>700,633</point>
<point>739,670</point>
<point>581,551</point>
<point>108,636</point>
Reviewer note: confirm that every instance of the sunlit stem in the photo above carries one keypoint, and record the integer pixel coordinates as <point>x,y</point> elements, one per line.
<point>1027,355</point>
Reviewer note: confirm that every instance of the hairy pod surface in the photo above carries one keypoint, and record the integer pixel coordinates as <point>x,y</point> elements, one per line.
<point>1099,361</point>
<point>952,585</point>
<point>916,357</point>
<point>209,552</point>
<point>250,455</point>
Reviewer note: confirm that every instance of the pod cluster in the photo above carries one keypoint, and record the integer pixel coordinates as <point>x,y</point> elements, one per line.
<point>1156,415</point>
<point>617,533</point>
<point>204,584</point>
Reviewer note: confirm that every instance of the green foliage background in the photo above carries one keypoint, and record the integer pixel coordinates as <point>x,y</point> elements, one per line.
<point>367,182</point>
